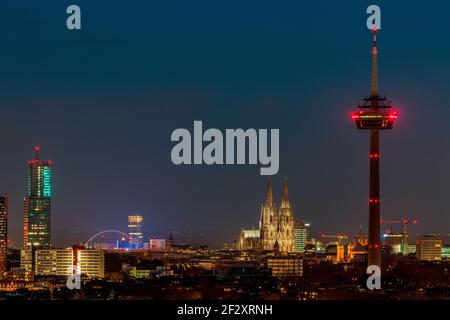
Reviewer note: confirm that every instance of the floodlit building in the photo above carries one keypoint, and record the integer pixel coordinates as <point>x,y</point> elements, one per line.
<point>285,266</point>
<point>63,262</point>
<point>277,226</point>
<point>27,264</point>
<point>58,262</point>
<point>445,252</point>
<point>394,241</point>
<point>248,240</point>
<point>429,248</point>
<point>91,262</point>
<point>302,236</point>
<point>157,244</point>
<point>135,224</point>
<point>139,274</point>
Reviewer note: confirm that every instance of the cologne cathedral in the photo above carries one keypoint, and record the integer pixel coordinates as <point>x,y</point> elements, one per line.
<point>277,226</point>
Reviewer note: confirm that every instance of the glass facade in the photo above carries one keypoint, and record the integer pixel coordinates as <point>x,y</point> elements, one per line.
<point>302,236</point>
<point>445,252</point>
<point>37,204</point>
<point>136,237</point>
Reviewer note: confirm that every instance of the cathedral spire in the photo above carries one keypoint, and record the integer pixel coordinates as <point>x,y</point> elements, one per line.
<point>285,203</point>
<point>269,194</point>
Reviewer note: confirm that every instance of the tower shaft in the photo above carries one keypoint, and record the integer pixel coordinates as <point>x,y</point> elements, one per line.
<point>374,254</point>
<point>374,249</point>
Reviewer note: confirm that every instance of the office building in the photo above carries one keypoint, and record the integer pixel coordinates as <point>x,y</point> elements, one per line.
<point>135,224</point>
<point>91,262</point>
<point>284,266</point>
<point>37,204</point>
<point>445,252</point>
<point>302,236</point>
<point>27,263</point>
<point>64,262</point>
<point>429,248</point>
<point>58,262</point>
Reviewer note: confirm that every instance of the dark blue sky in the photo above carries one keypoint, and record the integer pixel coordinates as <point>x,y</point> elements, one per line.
<point>102,103</point>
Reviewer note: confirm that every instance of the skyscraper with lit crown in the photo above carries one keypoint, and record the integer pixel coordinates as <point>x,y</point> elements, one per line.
<point>135,235</point>
<point>37,204</point>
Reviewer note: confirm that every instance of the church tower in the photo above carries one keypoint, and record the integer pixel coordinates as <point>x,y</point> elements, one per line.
<point>286,222</point>
<point>268,221</point>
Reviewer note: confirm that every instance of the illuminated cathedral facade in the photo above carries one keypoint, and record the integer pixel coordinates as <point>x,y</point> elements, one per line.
<point>276,226</point>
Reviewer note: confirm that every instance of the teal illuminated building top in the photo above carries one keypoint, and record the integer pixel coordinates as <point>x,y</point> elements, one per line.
<point>37,204</point>
<point>39,177</point>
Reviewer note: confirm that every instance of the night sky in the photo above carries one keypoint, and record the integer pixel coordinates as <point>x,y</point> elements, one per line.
<point>102,103</point>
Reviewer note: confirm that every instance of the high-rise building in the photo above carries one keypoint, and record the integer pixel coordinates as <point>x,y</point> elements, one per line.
<point>3,234</point>
<point>37,204</point>
<point>135,235</point>
<point>302,235</point>
<point>429,248</point>
<point>27,263</point>
<point>63,262</point>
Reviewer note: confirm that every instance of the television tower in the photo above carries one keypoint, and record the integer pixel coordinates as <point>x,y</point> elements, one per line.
<point>374,114</point>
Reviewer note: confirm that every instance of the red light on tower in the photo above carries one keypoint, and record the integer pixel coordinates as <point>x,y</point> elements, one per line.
<point>36,152</point>
<point>393,115</point>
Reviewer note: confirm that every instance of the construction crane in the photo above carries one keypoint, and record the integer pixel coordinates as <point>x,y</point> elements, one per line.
<point>338,237</point>
<point>405,223</point>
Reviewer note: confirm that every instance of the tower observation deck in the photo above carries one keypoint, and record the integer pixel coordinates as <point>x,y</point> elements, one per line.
<point>374,114</point>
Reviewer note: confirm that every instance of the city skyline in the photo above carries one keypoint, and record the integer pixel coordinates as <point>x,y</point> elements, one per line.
<point>108,118</point>
<point>195,239</point>
<point>215,158</point>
